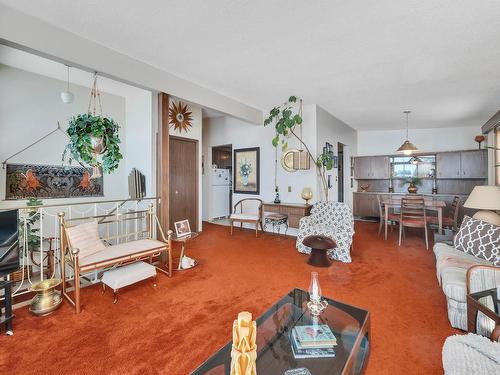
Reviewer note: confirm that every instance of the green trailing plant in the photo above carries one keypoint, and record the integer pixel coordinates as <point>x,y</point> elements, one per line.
<point>82,129</point>
<point>416,181</point>
<point>286,118</point>
<point>29,219</point>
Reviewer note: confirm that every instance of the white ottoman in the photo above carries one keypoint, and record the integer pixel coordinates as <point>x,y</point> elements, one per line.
<point>127,275</point>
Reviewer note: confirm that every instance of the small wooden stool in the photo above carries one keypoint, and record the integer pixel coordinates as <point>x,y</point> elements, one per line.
<point>319,247</point>
<point>127,275</point>
<point>277,220</point>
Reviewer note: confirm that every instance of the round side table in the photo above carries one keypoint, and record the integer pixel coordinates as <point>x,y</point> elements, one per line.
<point>319,247</point>
<point>183,240</point>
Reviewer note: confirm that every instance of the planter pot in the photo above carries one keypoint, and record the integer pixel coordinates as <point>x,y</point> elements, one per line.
<point>47,298</point>
<point>412,189</point>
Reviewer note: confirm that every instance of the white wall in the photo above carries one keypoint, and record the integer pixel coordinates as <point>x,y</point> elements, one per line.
<point>384,142</point>
<point>227,130</point>
<point>140,149</point>
<point>30,107</point>
<point>194,133</point>
<point>332,130</point>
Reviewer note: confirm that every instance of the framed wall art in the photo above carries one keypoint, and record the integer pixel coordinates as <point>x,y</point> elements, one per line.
<point>247,170</point>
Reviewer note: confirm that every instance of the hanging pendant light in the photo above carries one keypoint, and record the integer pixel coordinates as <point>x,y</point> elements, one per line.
<point>67,96</point>
<point>407,147</point>
<point>415,160</point>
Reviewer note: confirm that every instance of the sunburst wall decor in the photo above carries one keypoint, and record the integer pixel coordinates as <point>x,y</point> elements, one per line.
<point>180,117</point>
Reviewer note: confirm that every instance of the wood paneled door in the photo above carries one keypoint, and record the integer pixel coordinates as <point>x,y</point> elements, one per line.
<point>183,175</point>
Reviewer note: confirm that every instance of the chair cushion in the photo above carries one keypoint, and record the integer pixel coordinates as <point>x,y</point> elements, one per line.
<point>122,250</point>
<point>454,284</point>
<point>244,217</point>
<point>85,237</point>
<point>128,275</point>
<point>480,239</point>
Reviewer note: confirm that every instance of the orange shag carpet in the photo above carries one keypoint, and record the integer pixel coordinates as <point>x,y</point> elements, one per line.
<point>174,327</point>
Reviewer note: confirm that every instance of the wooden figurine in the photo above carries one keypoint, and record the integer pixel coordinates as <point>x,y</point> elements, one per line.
<point>244,352</point>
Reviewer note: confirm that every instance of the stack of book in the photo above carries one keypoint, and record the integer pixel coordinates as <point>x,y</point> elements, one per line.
<point>313,341</point>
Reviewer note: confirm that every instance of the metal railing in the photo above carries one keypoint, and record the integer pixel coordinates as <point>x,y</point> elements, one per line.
<point>39,243</point>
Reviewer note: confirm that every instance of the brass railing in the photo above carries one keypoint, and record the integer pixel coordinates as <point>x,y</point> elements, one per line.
<point>39,239</point>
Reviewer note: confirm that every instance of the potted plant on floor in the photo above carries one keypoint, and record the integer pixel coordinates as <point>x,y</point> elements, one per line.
<point>412,182</point>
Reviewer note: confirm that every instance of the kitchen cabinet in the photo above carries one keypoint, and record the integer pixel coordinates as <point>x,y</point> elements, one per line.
<point>374,167</point>
<point>462,164</point>
<point>365,205</point>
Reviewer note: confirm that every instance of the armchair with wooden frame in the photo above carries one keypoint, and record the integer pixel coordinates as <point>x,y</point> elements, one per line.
<point>116,255</point>
<point>250,212</point>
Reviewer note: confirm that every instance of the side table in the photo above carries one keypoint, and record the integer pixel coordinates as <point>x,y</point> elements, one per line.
<point>277,220</point>
<point>474,305</point>
<point>7,317</point>
<point>183,240</point>
<point>319,247</point>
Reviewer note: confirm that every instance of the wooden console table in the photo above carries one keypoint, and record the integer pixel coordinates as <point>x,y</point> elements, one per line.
<point>294,211</point>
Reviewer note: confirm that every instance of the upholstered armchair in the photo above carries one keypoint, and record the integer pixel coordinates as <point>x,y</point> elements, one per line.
<point>333,220</point>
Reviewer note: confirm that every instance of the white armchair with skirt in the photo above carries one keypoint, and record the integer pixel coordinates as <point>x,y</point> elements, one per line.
<point>333,220</point>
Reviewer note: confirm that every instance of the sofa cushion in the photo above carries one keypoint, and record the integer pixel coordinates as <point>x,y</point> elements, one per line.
<point>122,250</point>
<point>445,252</point>
<point>480,239</point>
<point>85,237</point>
<point>454,284</point>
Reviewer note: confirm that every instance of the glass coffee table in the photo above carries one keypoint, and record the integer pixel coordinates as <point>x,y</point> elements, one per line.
<point>350,325</point>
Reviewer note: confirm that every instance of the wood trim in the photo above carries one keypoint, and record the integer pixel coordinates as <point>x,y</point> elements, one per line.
<point>162,181</point>
<point>478,266</point>
<point>197,176</point>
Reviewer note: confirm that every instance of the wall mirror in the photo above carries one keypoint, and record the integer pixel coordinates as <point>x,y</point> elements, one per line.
<point>287,160</point>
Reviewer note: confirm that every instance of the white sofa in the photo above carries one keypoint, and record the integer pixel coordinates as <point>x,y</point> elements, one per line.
<point>451,269</point>
<point>333,220</point>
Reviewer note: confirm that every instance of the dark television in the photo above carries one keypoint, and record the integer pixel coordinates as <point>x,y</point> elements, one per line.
<point>9,242</point>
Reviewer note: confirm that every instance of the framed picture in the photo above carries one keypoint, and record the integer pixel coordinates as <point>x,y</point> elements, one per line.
<point>247,170</point>
<point>182,228</point>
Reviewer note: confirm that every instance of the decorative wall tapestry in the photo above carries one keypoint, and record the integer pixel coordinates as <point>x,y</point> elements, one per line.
<point>247,170</point>
<point>49,181</point>
<point>180,117</point>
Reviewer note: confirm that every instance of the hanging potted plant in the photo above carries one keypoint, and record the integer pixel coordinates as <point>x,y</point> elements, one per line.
<point>94,138</point>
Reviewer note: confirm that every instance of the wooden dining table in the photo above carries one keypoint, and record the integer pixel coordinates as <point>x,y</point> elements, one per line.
<point>430,204</point>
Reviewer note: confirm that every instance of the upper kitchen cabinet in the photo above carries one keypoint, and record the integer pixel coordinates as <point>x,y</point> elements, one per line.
<point>463,164</point>
<point>373,167</point>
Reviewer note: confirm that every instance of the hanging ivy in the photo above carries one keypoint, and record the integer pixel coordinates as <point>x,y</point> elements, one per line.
<point>82,128</point>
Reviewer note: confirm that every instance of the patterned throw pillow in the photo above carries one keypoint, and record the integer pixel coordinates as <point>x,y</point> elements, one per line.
<point>480,239</point>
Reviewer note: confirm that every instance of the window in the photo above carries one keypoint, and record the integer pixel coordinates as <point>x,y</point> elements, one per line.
<point>497,155</point>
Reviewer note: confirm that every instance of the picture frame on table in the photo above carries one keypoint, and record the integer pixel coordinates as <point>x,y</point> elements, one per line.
<point>246,172</point>
<point>182,228</point>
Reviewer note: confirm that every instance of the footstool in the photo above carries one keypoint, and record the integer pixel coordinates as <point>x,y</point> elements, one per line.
<point>127,275</point>
<point>319,247</point>
<point>276,220</point>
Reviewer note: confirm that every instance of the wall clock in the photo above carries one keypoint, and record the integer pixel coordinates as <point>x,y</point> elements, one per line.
<point>180,117</point>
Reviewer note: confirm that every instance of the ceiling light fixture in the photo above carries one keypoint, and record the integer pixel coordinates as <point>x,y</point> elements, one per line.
<point>415,160</point>
<point>67,96</point>
<point>407,147</point>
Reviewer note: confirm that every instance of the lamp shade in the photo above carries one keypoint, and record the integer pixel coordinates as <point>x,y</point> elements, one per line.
<point>484,197</point>
<point>407,148</point>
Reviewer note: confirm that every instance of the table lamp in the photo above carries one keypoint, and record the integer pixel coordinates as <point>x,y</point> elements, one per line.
<point>486,198</point>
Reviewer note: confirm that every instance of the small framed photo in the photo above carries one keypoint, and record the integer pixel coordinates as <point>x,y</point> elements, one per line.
<point>182,228</point>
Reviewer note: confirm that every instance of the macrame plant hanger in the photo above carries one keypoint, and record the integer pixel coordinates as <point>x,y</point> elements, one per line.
<point>4,163</point>
<point>95,98</point>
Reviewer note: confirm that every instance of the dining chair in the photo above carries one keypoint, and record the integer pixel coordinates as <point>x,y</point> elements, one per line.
<point>250,211</point>
<point>391,218</point>
<point>450,221</point>
<point>413,216</point>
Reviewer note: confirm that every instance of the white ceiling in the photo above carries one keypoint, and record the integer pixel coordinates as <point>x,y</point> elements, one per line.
<point>365,61</point>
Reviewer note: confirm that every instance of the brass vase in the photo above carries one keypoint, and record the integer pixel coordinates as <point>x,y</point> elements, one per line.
<point>47,298</point>
<point>412,188</point>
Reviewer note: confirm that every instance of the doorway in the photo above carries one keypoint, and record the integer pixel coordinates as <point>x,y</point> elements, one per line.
<point>183,175</point>
<point>340,177</point>
<point>221,190</point>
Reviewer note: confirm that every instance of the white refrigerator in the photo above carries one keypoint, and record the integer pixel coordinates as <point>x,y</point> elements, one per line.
<point>221,190</point>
